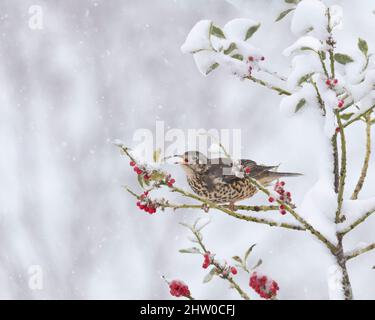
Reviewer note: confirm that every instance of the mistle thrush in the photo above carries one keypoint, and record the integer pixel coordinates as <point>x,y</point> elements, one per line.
<point>216,179</point>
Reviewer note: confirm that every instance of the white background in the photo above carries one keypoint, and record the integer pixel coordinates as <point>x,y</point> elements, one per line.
<point>99,70</point>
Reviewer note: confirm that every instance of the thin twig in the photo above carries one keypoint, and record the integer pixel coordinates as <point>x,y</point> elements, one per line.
<point>357,222</point>
<point>268,85</point>
<point>358,117</point>
<point>358,252</point>
<point>366,161</point>
<point>335,162</point>
<point>340,194</point>
<point>307,226</point>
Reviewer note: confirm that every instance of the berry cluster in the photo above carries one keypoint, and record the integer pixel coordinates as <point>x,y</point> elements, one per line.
<point>209,259</point>
<point>146,204</point>
<point>283,195</point>
<point>169,181</point>
<point>266,288</point>
<point>179,289</point>
<point>139,171</point>
<point>251,60</point>
<point>331,82</point>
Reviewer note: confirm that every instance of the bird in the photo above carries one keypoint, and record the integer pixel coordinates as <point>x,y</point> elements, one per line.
<point>224,181</point>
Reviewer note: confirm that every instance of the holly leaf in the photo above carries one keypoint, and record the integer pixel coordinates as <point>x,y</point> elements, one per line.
<point>251,31</point>
<point>209,275</point>
<point>346,116</point>
<point>283,14</point>
<point>212,68</point>
<point>363,46</point>
<point>257,264</point>
<point>237,259</point>
<point>141,181</point>
<point>305,78</point>
<point>190,250</point>
<point>217,32</point>
<point>300,104</point>
<point>231,47</point>
<point>343,58</point>
<point>247,253</point>
<point>237,56</point>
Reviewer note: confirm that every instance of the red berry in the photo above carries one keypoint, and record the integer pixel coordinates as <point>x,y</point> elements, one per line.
<point>335,81</point>
<point>283,212</point>
<point>233,270</point>
<point>179,289</point>
<point>132,163</point>
<point>341,103</point>
<point>251,58</point>
<point>282,207</point>
<point>262,58</point>
<point>282,183</point>
<point>172,181</point>
<point>247,170</point>
<point>338,130</point>
<point>328,82</point>
<point>271,199</point>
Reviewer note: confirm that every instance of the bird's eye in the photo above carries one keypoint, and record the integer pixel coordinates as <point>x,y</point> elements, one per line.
<point>186,160</point>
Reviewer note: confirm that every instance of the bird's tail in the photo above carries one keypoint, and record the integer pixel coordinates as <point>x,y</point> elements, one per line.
<point>285,174</point>
<point>267,177</point>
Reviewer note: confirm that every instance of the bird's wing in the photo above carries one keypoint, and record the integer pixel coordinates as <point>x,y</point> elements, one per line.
<point>220,171</point>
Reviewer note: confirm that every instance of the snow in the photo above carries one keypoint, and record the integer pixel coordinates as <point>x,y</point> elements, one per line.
<point>334,278</point>
<point>354,210</point>
<point>288,103</point>
<point>302,65</point>
<point>236,29</point>
<point>205,60</point>
<point>198,37</point>
<point>310,14</point>
<point>304,42</point>
<point>362,89</point>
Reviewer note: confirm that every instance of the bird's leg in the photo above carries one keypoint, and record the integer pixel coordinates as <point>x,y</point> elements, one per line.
<point>232,206</point>
<point>205,207</point>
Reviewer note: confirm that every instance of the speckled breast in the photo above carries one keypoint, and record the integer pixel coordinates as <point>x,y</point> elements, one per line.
<point>223,192</point>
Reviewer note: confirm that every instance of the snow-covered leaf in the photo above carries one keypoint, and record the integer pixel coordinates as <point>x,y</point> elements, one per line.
<point>231,47</point>
<point>206,61</point>
<point>190,250</point>
<point>238,56</point>
<point>209,275</point>
<point>198,38</point>
<point>346,116</point>
<point>251,31</point>
<point>343,58</point>
<point>306,43</point>
<point>240,29</point>
<point>310,15</point>
<point>247,253</point>
<point>238,259</point>
<point>212,67</point>
<point>305,78</point>
<point>257,264</point>
<point>362,45</point>
<point>217,32</point>
<point>300,104</point>
<point>201,223</point>
<point>283,14</point>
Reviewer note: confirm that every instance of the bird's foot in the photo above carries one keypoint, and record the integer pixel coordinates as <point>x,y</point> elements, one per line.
<point>205,207</point>
<point>232,207</point>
